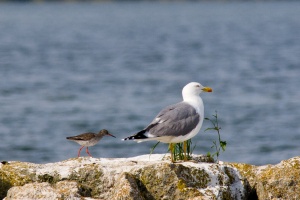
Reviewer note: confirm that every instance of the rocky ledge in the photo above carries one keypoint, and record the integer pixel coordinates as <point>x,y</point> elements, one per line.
<point>148,177</point>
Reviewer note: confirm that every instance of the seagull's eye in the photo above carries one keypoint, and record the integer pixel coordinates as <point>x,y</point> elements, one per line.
<point>197,85</point>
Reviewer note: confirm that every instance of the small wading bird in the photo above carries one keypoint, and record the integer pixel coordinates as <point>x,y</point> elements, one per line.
<point>89,139</point>
<point>177,123</point>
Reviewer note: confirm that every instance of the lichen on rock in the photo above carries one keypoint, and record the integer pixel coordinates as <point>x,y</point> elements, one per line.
<point>280,181</point>
<point>270,182</point>
<point>44,190</point>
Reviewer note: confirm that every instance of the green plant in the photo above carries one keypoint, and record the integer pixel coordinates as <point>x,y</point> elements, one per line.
<point>178,151</point>
<point>217,145</point>
<point>152,149</point>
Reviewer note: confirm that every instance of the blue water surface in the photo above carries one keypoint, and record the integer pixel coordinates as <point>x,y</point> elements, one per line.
<point>69,68</point>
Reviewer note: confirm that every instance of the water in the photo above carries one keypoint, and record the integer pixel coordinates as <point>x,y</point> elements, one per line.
<point>72,68</point>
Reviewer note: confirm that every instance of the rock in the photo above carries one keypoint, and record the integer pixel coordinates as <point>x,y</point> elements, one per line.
<point>146,177</point>
<point>143,177</point>
<point>44,190</point>
<point>272,182</point>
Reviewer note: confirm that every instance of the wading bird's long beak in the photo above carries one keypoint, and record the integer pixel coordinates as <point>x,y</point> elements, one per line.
<point>206,89</point>
<point>111,135</point>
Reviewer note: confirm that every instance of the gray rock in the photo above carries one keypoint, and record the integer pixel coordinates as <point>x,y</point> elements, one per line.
<point>143,177</point>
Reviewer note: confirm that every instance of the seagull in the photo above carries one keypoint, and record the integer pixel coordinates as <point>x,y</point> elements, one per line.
<point>89,139</point>
<point>178,122</point>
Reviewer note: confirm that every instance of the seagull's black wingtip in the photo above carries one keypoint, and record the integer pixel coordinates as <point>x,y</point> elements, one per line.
<point>139,135</point>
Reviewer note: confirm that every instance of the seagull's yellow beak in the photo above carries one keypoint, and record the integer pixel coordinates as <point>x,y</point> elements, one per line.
<point>206,89</point>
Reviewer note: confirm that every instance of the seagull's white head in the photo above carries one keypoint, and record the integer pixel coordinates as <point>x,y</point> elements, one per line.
<point>194,89</point>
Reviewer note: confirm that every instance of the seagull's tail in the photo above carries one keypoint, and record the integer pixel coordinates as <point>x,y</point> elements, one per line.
<point>138,136</point>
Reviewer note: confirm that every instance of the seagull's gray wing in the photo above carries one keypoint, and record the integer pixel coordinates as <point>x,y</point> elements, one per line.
<point>174,120</point>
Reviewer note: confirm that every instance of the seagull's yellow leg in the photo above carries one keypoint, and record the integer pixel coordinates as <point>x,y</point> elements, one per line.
<point>171,147</point>
<point>185,150</point>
